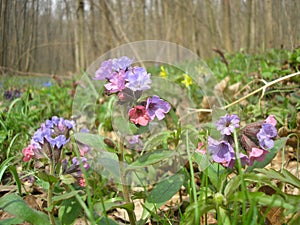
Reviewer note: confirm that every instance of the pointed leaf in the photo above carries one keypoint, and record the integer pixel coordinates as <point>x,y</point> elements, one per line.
<point>151,158</point>
<point>46,177</point>
<point>69,210</point>
<point>66,195</point>
<point>156,140</point>
<point>93,140</point>
<point>165,189</point>
<point>15,205</point>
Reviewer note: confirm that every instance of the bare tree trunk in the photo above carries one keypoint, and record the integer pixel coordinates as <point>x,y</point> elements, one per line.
<point>227,25</point>
<point>79,36</point>
<point>268,23</point>
<point>251,25</point>
<point>4,31</point>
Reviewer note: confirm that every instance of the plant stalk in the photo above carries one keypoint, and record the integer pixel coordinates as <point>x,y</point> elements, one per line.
<point>125,188</point>
<point>50,194</point>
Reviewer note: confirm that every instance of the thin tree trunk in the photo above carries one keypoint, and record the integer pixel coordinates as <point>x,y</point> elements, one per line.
<point>268,22</point>
<point>227,25</point>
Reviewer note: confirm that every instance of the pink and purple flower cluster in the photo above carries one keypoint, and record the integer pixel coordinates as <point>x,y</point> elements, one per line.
<point>120,75</point>
<point>49,139</point>
<point>256,139</point>
<point>128,82</point>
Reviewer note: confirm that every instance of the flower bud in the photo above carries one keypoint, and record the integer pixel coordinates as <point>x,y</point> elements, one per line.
<point>251,130</point>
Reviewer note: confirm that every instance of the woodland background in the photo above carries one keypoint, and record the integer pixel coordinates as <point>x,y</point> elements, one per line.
<point>65,36</point>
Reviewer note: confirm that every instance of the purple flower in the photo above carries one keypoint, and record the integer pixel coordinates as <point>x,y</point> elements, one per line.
<point>58,141</point>
<point>265,136</point>
<point>221,151</point>
<point>157,107</point>
<point>105,71</point>
<point>51,136</point>
<point>134,139</point>
<point>61,123</point>
<point>110,67</point>
<point>138,79</point>
<point>227,124</point>
<point>122,63</point>
<point>40,135</point>
<point>116,83</point>
<point>83,160</point>
<point>230,164</point>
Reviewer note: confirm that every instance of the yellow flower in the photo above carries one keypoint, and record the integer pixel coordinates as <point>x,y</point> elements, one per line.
<point>163,72</point>
<point>187,80</point>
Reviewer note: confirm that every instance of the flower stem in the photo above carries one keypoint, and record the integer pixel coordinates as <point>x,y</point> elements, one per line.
<point>197,217</point>
<point>49,197</point>
<point>123,180</point>
<point>241,174</point>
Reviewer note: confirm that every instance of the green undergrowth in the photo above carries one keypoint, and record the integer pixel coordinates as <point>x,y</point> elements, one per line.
<point>212,195</point>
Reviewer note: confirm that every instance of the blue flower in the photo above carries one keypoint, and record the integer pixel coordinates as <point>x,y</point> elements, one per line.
<point>58,141</point>
<point>109,67</point>
<point>227,124</point>
<point>265,136</point>
<point>105,71</point>
<point>138,79</point>
<point>122,63</point>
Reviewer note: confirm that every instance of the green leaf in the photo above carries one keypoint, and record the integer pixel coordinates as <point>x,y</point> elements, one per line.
<point>189,214</point>
<point>156,140</point>
<point>48,178</point>
<point>223,217</point>
<point>15,205</point>
<point>216,173</point>
<point>14,172</point>
<point>108,204</point>
<point>203,160</point>
<point>283,176</point>
<point>263,199</point>
<point>151,158</point>
<point>66,195</point>
<point>4,165</point>
<point>236,181</point>
<point>149,207</point>
<point>94,141</point>
<point>107,221</point>
<point>278,144</point>
<point>11,221</point>
<point>67,179</point>
<point>68,211</point>
<point>165,189</point>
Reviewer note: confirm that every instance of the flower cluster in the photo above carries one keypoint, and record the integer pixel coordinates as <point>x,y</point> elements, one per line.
<point>128,82</point>
<point>49,139</point>
<point>256,140</point>
<point>121,75</point>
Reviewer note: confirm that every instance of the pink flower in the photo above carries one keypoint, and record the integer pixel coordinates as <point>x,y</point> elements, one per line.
<point>200,149</point>
<point>271,120</point>
<point>257,154</point>
<point>139,115</point>
<point>81,181</point>
<point>28,153</point>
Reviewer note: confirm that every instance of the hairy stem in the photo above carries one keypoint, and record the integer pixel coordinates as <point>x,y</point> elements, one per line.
<point>49,197</point>
<point>126,193</point>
